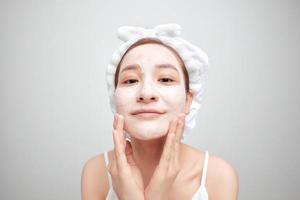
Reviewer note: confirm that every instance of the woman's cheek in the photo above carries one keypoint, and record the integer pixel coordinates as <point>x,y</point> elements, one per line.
<point>175,97</point>
<point>123,99</point>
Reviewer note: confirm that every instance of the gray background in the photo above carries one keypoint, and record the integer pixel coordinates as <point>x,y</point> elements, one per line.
<point>54,103</point>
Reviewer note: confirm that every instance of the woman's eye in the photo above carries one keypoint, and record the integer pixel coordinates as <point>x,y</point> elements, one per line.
<point>166,80</point>
<point>130,81</point>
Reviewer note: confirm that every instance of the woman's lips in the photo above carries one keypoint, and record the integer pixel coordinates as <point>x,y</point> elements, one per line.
<point>147,115</point>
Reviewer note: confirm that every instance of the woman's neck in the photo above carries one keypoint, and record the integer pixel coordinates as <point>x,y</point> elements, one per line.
<point>146,154</point>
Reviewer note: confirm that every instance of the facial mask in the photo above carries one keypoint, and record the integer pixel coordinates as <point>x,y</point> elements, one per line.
<point>169,99</point>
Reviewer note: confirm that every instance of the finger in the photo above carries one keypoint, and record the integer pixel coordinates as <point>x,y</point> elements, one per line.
<point>165,157</point>
<point>173,125</point>
<point>178,134</point>
<point>128,149</point>
<point>120,156</point>
<point>115,139</point>
<point>115,136</point>
<point>115,121</point>
<point>116,143</point>
<point>181,127</point>
<point>173,128</point>
<point>174,142</point>
<point>119,146</point>
<point>129,153</point>
<point>119,127</point>
<point>111,167</point>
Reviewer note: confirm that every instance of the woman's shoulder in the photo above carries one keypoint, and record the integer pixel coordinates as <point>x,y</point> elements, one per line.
<point>94,179</point>
<point>95,164</point>
<point>221,177</point>
<point>215,162</point>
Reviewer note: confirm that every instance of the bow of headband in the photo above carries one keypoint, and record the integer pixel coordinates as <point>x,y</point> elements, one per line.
<point>126,33</point>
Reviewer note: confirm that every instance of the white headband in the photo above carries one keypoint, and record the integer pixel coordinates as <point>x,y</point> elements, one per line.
<point>195,61</point>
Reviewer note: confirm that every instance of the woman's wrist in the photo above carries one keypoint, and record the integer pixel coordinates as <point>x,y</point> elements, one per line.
<point>138,197</point>
<point>157,196</point>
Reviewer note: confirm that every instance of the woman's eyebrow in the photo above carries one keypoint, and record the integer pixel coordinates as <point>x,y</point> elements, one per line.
<point>166,65</point>
<point>131,67</point>
<point>137,67</point>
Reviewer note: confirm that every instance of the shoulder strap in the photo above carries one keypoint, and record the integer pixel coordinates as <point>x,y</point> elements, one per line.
<point>204,172</point>
<point>106,163</point>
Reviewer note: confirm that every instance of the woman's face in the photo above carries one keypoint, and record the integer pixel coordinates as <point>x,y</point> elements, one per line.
<point>150,91</point>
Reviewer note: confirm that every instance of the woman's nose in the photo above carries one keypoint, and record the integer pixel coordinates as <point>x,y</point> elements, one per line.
<point>147,95</point>
<point>147,99</point>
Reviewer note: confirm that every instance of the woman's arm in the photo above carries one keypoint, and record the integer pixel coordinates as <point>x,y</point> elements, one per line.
<point>94,183</point>
<point>222,180</point>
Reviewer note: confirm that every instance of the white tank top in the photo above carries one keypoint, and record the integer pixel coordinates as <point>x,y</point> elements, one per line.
<point>201,193</point>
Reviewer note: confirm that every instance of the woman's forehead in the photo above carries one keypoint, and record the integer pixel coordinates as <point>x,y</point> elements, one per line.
<point>150,54</point>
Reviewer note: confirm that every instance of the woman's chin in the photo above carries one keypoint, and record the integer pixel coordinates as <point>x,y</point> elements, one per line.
<point>147,135</point>
<point>147,129</point>
<point>150,137</point>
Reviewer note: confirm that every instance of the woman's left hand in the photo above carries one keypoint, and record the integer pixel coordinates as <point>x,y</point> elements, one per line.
<point>168,167</point>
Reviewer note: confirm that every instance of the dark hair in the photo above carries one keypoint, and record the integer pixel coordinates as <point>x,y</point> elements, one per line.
<point>155,41</point>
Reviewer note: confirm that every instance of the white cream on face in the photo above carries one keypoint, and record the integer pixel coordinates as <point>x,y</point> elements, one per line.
<point>146,84</point>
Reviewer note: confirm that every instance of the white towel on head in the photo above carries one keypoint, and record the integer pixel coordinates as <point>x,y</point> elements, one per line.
<point>195,61</point>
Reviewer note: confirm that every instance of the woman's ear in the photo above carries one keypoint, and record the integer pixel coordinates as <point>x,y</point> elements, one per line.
<point>188,102</point>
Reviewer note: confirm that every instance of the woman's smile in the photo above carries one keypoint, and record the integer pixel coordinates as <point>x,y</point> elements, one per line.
<point>147,115</point>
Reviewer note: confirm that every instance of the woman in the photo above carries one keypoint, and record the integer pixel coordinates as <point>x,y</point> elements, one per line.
<point>155,81</point>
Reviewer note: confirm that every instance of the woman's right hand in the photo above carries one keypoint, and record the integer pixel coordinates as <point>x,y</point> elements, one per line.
<point>126,177</point>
